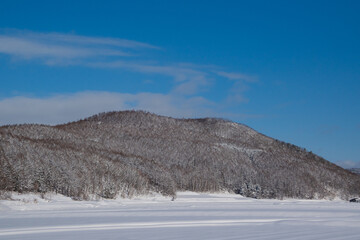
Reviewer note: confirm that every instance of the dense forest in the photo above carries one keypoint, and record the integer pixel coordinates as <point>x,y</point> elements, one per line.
<point>134,152</point>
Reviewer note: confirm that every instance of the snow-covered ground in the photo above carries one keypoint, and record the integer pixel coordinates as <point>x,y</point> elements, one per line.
<point>190,216</point>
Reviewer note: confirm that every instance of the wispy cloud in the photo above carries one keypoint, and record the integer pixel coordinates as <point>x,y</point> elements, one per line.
<point>188,80</point>
<point>85,40</point>
<point>55,46</point>
<point>24,48</point>
<point>178,72</point>
<point>71,49</point>
<point>58,49</point>
<point>236,76</point>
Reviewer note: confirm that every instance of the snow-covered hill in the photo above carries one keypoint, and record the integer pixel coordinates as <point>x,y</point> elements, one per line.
<point>131,153</point>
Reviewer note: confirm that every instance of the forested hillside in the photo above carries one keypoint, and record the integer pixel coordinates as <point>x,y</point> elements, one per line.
<point>133,152</point>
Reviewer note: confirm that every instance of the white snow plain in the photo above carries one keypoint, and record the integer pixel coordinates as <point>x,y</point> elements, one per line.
<point>190,216</point>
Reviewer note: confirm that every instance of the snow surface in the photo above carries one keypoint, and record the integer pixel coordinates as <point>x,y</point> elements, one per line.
<point>190,216</point>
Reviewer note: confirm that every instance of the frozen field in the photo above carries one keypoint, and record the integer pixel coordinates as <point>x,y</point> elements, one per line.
<point>190,216</point>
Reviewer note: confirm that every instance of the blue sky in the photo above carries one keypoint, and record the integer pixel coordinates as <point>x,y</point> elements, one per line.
<point>288,69</point>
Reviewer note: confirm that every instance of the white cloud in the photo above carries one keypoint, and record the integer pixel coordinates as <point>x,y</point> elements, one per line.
<point>348,164</point>
<point>58,49</point>
<point>240,86</point>
<point>29,49</point>
<point>64,108</point>
<point>188,80</point>
<point>236,76</point>
<point>68,49</point>
<point>50,46</point>
<point>236,93</point>
<point>84,40</point>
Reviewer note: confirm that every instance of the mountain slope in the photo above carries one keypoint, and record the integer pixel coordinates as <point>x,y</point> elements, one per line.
<point>133,152</point>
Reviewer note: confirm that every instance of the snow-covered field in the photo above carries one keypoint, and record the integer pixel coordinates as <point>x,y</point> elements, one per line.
<point>190,216</point>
